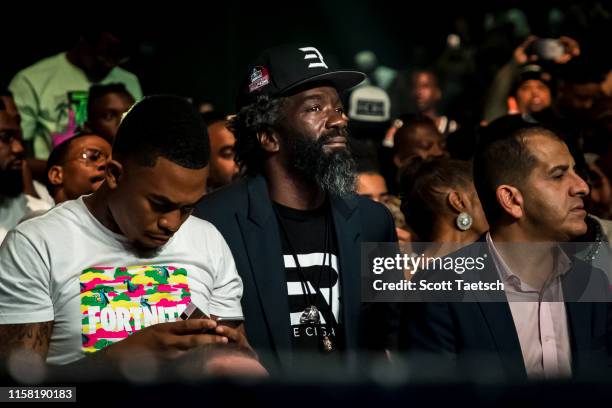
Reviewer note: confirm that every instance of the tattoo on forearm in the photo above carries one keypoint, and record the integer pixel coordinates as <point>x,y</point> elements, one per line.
<point>33,336</point>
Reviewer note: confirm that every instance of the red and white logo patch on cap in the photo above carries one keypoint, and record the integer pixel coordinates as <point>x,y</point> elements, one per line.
<point>259,78</point>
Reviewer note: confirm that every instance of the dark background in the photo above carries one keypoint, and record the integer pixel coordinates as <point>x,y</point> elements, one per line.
<point>199,50</point>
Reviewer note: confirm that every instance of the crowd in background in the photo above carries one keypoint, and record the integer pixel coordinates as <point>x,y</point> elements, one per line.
<point>428,142</point>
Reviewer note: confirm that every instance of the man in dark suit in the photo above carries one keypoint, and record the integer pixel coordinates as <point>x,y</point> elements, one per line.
<point>552,318</point>
<point>293,222</point>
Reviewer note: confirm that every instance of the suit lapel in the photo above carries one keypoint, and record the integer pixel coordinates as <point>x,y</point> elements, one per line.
<point>263,246</point>
<point>496,311</point>
<point>348,231</point>
<point>575,283</point>
<point>503,331</point>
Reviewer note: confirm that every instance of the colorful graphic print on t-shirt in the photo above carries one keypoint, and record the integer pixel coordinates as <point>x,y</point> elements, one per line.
<point>118,301</point>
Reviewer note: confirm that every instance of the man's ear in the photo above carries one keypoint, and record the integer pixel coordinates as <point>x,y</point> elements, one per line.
<point>56,175</point>
<point>457,201</point>
<point>114,172</point>
<point>511,200</point>
<point>269,141</point>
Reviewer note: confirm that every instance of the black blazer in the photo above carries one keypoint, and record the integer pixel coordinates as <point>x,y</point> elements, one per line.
<point>481,333</point>
<point>243,213</point>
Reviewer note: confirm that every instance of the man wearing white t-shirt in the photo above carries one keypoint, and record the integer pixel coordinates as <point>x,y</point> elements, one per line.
<point>112,271</point>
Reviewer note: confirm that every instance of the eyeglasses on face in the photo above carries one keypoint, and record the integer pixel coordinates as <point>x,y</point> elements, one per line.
<point>92,157</point>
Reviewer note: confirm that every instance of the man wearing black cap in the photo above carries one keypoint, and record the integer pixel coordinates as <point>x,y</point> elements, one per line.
<point>112,272</point>
<point>533,90</point>
<point>294,224</point>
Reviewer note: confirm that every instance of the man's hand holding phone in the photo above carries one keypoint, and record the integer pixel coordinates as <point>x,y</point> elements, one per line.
<point>172,340</point>
<point>169,340</point>
<point>232,328</point>
<point>560,50</point>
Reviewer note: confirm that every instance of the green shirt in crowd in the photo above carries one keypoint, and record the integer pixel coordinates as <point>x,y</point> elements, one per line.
<point>51,97</point>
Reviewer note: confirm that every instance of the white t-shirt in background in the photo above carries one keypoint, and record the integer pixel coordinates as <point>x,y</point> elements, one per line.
<point>13,210</point>
<point>65,266</point>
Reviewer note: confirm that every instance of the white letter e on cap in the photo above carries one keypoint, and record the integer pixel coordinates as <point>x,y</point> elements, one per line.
<point>313,53</point>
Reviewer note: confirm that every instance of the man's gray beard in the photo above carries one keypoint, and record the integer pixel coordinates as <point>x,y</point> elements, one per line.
<point>338,176</point>
<point>334,172</point>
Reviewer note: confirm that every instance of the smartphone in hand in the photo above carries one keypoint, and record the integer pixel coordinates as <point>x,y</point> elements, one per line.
<point>193,312</point>
<point>232,322</point>
<point>548,49</point>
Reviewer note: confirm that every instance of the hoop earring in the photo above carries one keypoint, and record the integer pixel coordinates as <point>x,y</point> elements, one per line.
<point>464,221</point>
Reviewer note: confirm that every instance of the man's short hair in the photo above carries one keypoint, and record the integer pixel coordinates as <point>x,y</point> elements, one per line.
<point>163,126</point>
<point>410,122</point>
<point>413,120</point>
<point>98,91</point>
<point>503,157</point>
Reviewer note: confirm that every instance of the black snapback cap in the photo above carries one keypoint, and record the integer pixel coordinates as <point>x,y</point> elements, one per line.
<point>280,70</point>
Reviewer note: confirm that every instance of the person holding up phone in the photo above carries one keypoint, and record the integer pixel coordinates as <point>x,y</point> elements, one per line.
<point>559,51</point>
<point>523,85</point>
